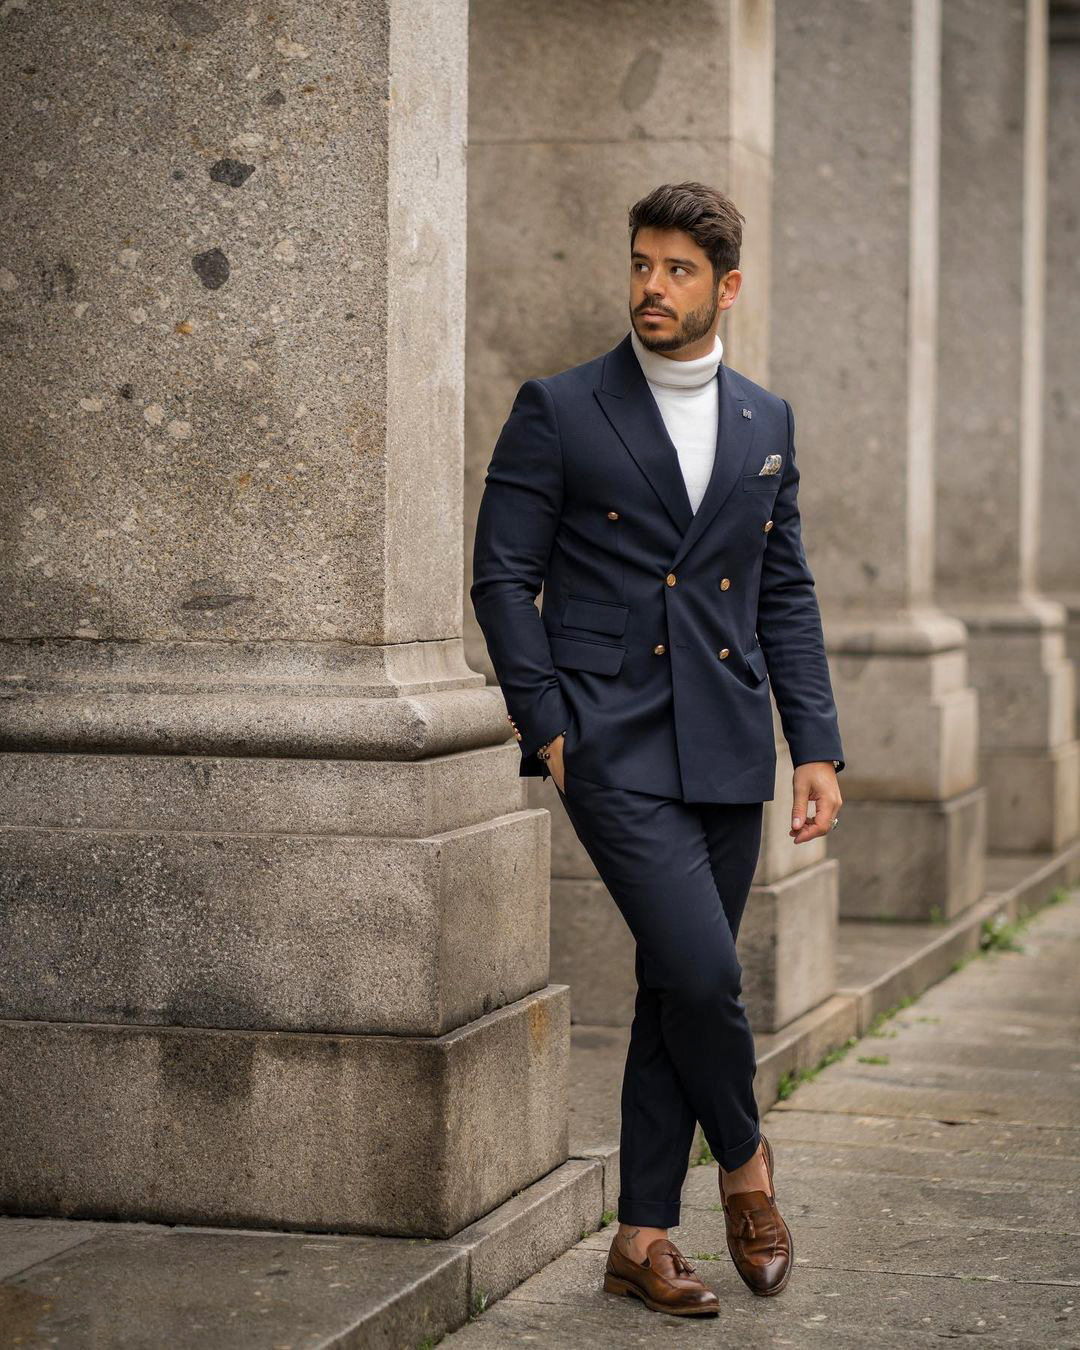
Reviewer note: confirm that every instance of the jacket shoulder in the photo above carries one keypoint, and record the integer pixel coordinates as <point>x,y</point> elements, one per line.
<point>764,398</point>
<point>575,379</point>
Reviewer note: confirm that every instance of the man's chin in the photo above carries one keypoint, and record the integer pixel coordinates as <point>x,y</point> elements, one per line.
<point>671,343</point>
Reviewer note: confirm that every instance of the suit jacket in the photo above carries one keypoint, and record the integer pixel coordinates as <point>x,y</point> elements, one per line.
<point>661,628</point>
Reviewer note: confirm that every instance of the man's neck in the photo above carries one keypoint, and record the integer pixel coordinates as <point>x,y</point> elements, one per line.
<point>660,369</point>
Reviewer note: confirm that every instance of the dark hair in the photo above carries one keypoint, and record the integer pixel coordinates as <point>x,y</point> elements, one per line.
<point>707,215</point>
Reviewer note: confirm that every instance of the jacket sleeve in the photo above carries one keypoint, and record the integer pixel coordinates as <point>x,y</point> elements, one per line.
<point>515,530</point>
<point>790,630</point>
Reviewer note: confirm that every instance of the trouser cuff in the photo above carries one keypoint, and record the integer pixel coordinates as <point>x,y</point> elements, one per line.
<point>730,1159</point>
<point>649,1213</point>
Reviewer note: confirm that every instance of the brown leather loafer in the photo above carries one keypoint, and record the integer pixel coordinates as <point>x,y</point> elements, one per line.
<point>758,1239</point>
<point>665,1281</point>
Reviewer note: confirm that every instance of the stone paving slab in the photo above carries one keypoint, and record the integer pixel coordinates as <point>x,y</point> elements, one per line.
<point>1003,1167</point>
<point>866,1235</point>
<point>816,1182</point>
<point>944,1050</point>
<point>137,1287</point>
<point>861,1096</point>
<point>564,1306</point>
<point>25,1242</point>
<point>957,1140</point>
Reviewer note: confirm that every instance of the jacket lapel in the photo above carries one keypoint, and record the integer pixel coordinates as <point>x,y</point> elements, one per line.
<point>734,446</point>
<point>629,406</point>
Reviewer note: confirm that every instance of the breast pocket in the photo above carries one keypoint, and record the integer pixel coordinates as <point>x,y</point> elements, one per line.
<point>764,482</point>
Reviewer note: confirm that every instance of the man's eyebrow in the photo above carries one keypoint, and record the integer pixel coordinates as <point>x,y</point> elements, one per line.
<point>686,262</point>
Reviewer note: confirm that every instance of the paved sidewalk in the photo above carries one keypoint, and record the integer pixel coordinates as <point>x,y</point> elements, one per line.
<point>930,1176</point>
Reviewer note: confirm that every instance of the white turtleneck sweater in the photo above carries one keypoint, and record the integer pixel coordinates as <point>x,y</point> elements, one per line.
<point>688,396</point>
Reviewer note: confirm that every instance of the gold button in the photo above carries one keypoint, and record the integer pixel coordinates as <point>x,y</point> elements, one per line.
<point>671,578</point>
<point>725,583</point>
<point>659,649</point>
<point>724,653</point>
<point>517,735</point>
<point>767,526</point>
<point>613,515</point>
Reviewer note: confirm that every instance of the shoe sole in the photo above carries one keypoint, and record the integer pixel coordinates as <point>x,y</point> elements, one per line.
<point>613,1285</point>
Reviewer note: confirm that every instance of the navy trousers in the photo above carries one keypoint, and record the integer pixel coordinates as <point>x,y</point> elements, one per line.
<point>680,873</point>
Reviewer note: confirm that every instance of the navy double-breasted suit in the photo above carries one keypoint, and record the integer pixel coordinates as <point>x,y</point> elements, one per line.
<point>661,628</point>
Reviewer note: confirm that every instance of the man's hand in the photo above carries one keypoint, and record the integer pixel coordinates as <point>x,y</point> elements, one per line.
<point>555,764</point>
<point>812,782</point>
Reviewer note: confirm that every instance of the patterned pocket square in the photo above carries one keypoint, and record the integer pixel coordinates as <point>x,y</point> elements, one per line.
<point>771,465</point>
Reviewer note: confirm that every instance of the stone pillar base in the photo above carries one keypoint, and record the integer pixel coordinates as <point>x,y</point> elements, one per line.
<point>911,860</point>
<point>787,945</point>
<point>912,833</point>
<point>1034,797</point>
<point>275,990</point>
<point>1028,751</point>
<point>400,1135</point>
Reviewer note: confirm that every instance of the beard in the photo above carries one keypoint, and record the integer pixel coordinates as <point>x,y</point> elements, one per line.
<point>693,327</point>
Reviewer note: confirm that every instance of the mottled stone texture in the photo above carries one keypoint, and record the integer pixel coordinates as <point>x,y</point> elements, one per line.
<point>991,415</point>
<point>1059,507</point>
<point>230,234</point>
<point>272,931</point>
<point>379,1134</point>
<point>854,337</point>
<point>274,922</point>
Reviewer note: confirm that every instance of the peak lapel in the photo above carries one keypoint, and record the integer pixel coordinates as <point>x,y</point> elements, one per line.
<point>734,443</point>
<point>629,406</point>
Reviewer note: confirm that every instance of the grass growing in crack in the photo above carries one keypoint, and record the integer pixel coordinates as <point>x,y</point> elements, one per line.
<point>479,1304</point>
<point>705,1155</point>
<point>1000,934</point>
<point>790,1081</point>
<point>877,1026</point>
<point>607,1217</point>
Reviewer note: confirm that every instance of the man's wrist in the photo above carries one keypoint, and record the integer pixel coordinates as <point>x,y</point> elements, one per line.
<point>544,751</point>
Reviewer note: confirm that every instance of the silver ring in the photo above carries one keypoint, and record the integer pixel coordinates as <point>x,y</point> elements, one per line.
<point>835,821</point>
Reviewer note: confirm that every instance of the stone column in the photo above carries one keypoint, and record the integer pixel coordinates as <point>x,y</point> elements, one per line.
<point>274,925</point>
<point>854,336</point>
<point>990,418</point>
<point>1059,539</point>
<point>577,111</point>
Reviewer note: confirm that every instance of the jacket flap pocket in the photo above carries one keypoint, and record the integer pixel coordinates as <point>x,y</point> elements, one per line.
<point>605,658</point>
<point>755,659</point>
<point>598,616</point>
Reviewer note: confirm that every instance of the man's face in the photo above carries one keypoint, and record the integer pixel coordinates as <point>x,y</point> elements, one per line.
<point>673,294</point>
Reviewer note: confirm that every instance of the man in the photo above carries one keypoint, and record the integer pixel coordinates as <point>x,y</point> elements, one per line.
<point>652,493</point>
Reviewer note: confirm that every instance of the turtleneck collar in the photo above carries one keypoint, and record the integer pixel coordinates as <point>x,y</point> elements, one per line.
<point>672,374</point>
